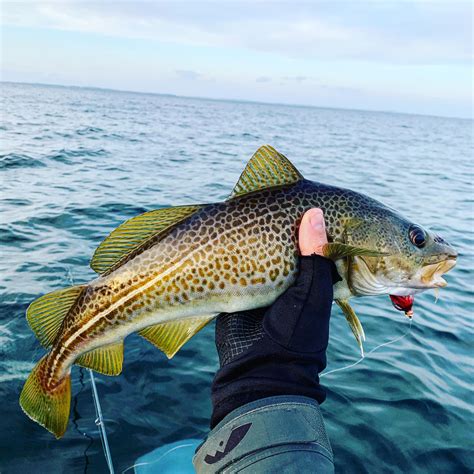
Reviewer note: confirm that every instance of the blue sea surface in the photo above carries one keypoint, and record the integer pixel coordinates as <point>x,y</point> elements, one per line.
<point>75,163</point>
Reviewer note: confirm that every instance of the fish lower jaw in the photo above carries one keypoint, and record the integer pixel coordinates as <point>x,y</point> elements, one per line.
<point>417,288</point>
<point>404,291</point>
<point>401,290</point>
<point>439,283</point>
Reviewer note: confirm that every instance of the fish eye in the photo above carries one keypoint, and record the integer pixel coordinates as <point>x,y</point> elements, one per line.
<point>417,236</point>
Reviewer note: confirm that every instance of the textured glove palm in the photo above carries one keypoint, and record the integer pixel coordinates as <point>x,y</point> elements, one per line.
<point>277,350</point>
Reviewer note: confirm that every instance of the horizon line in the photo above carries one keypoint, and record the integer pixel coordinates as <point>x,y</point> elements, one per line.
<point>223,99</point>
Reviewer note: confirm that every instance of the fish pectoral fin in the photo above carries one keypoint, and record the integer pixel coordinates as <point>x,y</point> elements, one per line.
<point>45,315</point>
<point>136,233</point>
<point>170,337</point>
<point>267,168</point>
<point>107,360</point>
<point>336,250</point>
<point>354,323</point>
<point>352,223</point>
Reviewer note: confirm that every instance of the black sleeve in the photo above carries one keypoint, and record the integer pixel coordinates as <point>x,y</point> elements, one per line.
<point>289,350</point>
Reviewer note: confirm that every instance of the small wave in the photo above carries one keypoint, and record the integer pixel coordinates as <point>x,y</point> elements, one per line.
<point>10,236</point>
<point>17,202</point>
<point>15,160</point>
<point>88,130</point>
<point>47,114</point>
<point>250,135</point>
<point>65,155</point>
<point>117,210</point>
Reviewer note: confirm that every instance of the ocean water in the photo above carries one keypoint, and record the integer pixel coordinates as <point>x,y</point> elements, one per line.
<point>76,162</point>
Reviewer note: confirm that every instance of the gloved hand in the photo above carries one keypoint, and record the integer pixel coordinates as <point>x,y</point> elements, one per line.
<point>279,350</point>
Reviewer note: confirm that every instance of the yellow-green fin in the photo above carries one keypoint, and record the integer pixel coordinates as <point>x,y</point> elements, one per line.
<point>266,168</point>
<point>134,233</point>
<point>46,314</point>
<point>107,360</point>
<point>170,337</point>
<point>354,323</point>
<point>49,408</point>
<point>336,250</point>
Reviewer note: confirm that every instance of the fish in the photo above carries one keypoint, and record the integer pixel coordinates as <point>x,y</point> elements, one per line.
<point>167,273</point>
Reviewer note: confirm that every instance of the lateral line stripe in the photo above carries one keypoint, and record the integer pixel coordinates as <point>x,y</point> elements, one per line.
<point>127,297</point>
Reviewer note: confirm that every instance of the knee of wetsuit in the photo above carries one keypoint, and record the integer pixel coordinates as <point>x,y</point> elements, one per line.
<point>282,433</point>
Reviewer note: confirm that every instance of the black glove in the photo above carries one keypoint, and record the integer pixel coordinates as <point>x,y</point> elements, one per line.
<point>277,350</point>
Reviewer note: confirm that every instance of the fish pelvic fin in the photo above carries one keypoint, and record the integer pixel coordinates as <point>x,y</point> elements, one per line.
<point>49,407</point>
<point>136,234</point>
<point>107,360</point>
<point>267,168</point>
<point>46,314</point>
<point>336,250</point>
<point>354,323</point>
<point>170,337</point>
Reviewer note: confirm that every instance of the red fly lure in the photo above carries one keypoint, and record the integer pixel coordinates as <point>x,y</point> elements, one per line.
<point>403,303</point>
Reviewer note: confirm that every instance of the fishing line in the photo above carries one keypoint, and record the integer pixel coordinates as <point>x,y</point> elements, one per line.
<point>101,425</point>
<point>99,421</point>
<point>399,338</point>
<point>77,416</point>
<point>156,460</point>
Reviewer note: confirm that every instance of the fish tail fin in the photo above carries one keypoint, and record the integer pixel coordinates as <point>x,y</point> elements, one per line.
<point>47,406</point>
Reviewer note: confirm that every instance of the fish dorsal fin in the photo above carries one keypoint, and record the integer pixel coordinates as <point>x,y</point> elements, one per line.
<point>106,360</point>
<point>45,315</point>
<point>354,323</point>
<point>170,337</point>
<point>135,233</point>
<point>267,168</point>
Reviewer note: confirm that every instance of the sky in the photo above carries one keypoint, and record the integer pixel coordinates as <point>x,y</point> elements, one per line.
<point>403,56</point>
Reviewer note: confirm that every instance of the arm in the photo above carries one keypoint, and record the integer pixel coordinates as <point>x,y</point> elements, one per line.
<point>267,389</point>
<point>280,350</point>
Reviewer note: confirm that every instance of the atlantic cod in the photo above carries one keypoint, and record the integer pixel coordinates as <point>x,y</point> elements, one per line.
<point>166,273</point>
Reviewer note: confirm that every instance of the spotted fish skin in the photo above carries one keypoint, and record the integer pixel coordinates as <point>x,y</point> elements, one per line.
<point>229,256</point>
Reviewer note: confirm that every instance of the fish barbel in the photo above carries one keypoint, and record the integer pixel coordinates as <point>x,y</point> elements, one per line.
<point>167,273</point>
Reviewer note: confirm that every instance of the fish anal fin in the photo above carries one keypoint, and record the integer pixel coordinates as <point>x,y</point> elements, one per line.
<point>170,337</point>
<point>135,233</point>
<point>267,168</point>
<point>46,314</point>
<point>336,250</point>
<point>107,360</point>
<point>353,322</point>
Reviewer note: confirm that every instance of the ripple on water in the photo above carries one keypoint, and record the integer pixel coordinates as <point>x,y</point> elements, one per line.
<point>88,131</point>
<point>16,160</point>
<point>69,156</point>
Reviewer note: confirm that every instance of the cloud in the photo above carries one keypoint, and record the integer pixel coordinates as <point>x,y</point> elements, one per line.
<point>188,75</point>
<point>298,78</point>
<point>406,32</point>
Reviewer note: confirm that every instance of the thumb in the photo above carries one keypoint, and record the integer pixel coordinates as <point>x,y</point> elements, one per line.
<point>312,232</point>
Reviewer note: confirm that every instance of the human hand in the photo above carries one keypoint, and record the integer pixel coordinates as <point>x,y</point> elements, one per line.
<point>237,332</point>
<point>312,233</point>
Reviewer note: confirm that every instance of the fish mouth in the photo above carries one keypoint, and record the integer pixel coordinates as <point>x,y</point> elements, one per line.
<point>427,277</point>
<point>403,298</point>
<point>431,274</point>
